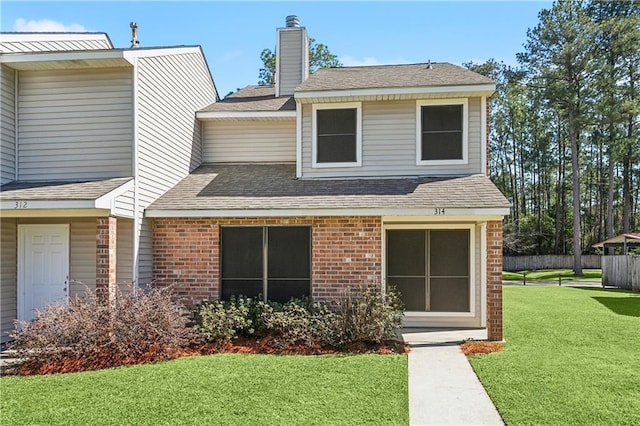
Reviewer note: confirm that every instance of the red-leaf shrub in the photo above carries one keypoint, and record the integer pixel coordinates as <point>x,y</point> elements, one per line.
<point>137,326</point>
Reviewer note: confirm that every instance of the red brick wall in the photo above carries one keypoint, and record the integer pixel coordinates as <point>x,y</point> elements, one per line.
<point>186,251</point>
<point>106,240</point>
<point>494,280</point>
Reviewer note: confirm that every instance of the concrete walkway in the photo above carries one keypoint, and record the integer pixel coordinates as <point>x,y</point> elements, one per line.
<point>443,388</point>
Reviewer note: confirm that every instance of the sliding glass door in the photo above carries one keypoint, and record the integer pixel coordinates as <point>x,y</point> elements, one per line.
<point>430,268</point>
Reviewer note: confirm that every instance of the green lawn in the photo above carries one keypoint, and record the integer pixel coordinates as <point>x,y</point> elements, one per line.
<point>572,356</point>
<point>552,274</point>
<point>218,389</point>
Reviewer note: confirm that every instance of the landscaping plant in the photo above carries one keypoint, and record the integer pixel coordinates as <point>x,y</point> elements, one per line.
<point>93,332</point>
<point>361,315</point>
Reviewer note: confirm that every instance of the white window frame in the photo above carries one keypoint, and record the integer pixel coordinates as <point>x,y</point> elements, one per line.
<point>314,134</point>
<point>465,131</point>
<point>472,265</point>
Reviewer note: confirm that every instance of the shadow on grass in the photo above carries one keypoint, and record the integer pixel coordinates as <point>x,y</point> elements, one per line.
<point>629,306</point>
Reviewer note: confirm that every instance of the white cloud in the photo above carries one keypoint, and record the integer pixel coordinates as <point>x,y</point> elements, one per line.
<point>350,61</point>
<point>231,55</point>
<point>46,26</point>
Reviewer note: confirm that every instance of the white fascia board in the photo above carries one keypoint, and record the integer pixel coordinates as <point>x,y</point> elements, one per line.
<point>488,89</point>
<point>49,37</point>
<point>453,214</point>
<point>84,55</point>
<point>129,54</point>
<point>204,115</point>
<point>21,205</point>
<point>23,213</point>
<point>106,201</point>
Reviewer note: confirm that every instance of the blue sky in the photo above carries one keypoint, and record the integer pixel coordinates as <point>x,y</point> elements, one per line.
<point>232,34</point>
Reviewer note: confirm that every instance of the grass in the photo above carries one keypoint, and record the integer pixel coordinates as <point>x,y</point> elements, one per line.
<point>572,356</point>
<point>225,389</point>
<point>552,274</point>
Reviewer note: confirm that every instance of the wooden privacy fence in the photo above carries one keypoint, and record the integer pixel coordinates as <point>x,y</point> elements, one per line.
<point>551,261</point>
<point>621,271</point>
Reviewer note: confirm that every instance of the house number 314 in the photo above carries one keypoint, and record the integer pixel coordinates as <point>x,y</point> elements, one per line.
<point>438,211</point>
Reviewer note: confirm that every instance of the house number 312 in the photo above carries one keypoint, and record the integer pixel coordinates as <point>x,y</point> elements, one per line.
<point>20,205</point>
<point>438,211</point>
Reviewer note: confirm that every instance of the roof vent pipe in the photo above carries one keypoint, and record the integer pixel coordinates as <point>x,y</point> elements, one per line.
<point>134,35</point>
<point>293,21</point>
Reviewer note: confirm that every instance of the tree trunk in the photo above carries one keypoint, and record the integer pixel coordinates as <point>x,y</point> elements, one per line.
<point>577,246</point>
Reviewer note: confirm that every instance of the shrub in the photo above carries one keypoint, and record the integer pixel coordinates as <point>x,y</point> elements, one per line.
<point>218,321</point>
<point>361,315</point>
<point>136,324</point>
<point>364,314</point>
<point>298,322</point>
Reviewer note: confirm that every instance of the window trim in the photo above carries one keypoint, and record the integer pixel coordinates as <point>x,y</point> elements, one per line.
<point>473,279</point>
<point>465,131</point>
<point>314,134</point>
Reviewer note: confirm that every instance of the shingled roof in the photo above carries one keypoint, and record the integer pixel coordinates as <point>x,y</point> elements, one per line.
<point>274,187</point>
<point>253,98</point>
<point>391,76</point>
<point>60,190</point>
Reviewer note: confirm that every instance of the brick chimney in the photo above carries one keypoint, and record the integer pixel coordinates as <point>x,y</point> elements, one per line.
<point>292,56</point>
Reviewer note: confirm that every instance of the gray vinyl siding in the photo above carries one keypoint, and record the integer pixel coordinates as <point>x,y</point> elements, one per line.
<point>125,204</point>
<point>75,124</point>
<point>170,90</point>
<point>8,276</point>
<point>7,125</point>
<point>389,143</point>
<point>290,59</point>
<point>246,141</point>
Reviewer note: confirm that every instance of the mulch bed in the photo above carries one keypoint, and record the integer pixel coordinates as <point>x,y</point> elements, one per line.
<point>106,359</point>
<point>475,347</point>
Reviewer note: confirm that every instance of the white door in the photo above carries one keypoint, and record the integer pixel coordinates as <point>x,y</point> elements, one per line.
<point>43,267</point>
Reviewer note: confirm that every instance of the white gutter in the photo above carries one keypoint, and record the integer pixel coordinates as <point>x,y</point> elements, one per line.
<point>443,214</point>
<point>488,89</point>
<point>245,114</point>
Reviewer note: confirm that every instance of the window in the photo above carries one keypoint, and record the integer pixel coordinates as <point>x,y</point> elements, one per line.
<point>337,135</point>
<point>442,132</point>
<point>273,261</point>
<point>430,268</point>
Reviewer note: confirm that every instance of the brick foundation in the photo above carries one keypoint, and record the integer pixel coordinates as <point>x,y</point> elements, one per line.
<point>186,252</point>
<point>494,280</point>
<point>106,242</point>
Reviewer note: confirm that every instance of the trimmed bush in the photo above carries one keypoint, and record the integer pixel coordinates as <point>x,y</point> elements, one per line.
<point>137,324</point>
<point>218,321</point>
<point>361,315</point>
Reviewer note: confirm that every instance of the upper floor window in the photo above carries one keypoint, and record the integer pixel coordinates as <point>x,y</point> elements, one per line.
<point>337,135</point>
<point>441,136</point>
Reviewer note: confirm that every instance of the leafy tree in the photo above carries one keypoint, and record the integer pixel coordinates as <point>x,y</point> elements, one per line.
<point>319,57</point>
<point>557,54</point>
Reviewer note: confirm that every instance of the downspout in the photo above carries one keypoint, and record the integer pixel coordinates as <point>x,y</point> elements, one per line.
<point>483,136</point>
<point>483,274</point>
<point>298,140</point>
<point>136,194</point>
<point>16,133</point>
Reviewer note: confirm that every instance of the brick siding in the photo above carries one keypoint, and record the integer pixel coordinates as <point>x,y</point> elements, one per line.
<point>186,253</point>
<point>494,280</point>
<point>106,242</point>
